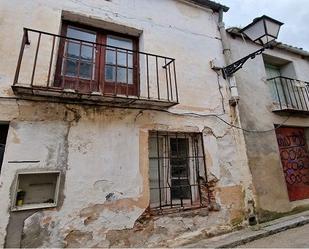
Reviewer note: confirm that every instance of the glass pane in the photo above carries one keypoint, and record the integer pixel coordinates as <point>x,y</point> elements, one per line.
<point>122,58</point>
<point>121,75</point>
<point>86,53</point>
<point>130,60</point>
<point>70,67</point>
<point>179,147</point>
<point>85,70</point>
<point>110,57</point>
<point>73,50</point>
<point>119,42</point>
<point>81,34</point>
<point>180,189</point>
<point>130,76</point>
<point>110,73</point>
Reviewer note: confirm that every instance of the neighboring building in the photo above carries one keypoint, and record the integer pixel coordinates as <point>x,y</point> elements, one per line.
<point>274,107</point>
<point>95,158</point>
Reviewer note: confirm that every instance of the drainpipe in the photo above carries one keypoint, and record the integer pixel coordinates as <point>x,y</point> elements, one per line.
<point>234,98</point>
<point>228,59</point>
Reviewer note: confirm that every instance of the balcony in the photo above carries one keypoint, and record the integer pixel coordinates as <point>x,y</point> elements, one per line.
<point>106,75</point>
<point>289,95</point>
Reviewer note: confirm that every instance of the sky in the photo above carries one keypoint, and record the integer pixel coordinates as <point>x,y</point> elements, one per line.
<point>293,13</point>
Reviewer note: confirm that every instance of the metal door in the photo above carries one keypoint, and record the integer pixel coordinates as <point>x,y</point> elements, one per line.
<point>295,161</point>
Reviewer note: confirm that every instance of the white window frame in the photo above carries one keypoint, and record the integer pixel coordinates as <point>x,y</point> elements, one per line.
<point>37,205</point>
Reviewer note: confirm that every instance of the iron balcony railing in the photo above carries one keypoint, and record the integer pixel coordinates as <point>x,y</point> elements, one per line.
<point>43,60</point>
<point>289,94</point>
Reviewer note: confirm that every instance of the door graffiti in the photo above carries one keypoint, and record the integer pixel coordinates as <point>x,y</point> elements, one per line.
<point>295,161</point>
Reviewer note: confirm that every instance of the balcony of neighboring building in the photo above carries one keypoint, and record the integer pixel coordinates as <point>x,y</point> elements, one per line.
<point>289,95</point>
<point>91,66</point>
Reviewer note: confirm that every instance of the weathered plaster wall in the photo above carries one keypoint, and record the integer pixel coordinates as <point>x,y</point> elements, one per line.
<point>103,152</point>
<point>256,114</point>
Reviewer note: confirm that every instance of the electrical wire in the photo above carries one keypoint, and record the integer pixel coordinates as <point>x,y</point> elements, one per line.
<point>192,114</point>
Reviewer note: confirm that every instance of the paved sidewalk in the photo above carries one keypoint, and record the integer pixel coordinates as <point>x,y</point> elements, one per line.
<point>241,237</point>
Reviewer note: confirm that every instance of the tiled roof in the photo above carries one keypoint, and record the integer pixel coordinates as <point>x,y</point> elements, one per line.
<point>290,48</point>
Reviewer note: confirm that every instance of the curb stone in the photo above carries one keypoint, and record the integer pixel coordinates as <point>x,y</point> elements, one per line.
<point>247,235</point>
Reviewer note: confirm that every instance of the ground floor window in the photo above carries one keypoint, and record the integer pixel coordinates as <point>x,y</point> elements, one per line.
<point>3,135</point>
<point>177,170</point>
<point>294,154</point>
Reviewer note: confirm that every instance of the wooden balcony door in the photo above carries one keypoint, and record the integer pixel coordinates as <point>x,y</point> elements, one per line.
<point>97,61</point>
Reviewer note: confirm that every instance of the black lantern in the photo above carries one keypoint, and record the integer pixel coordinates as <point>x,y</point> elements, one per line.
<point>263,30</point>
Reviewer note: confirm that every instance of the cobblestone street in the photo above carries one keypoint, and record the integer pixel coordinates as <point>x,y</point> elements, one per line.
<point>292,238</point>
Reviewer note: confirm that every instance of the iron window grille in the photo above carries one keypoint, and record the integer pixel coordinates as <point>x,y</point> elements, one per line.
<point>177,170</point>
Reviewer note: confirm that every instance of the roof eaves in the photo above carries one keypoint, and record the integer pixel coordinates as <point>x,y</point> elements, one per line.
<point>211,4</point>
<point>286,47</point>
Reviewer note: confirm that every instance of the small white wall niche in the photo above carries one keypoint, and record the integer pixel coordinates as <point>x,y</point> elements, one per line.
<point>34,190</point>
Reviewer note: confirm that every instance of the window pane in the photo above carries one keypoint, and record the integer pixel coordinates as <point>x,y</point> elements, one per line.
<point>121,75</point>
<point>85,69</point>
<point>86,53</point>
<point>119,42</point>
<point>122,58</point>
<point>110,57</point>
<point>73,50</point>
<point>130,60</point>
<point>110,73</point>
<point>70,67</point>
<point>179,147</point>
<point>181,189</point>
<point>130,76</point>
<point>181,169</point>
<point>81,34</point>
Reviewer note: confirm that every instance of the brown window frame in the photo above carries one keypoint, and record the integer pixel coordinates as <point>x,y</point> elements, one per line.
<point>98,83</point>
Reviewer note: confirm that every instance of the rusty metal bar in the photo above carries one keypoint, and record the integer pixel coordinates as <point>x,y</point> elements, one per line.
<point>67,80</point>
<point>284,92</point>
<point>158,81</point>
<point>293,86</point>
<point>300,100</point>
<point>287,87</point>
<point>127,73</point>
<point>304,98</point>
<point>99,71</point>
<point>275,80</point>
<point>20,57</point>
<point>176,89</point>
<point>78,40</point>
<point>78,66</point>
<point>35,59</point>
<point>159,168</point>
<point>170,77</point>
<point>116,73</point>
<point>51,61</point>
<point>147,76</point>
<point>166,77</point>
<point>168,63</point>
<point>306,91</point>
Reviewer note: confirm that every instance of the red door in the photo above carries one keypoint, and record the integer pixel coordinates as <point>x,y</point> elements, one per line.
<point>295,161</point>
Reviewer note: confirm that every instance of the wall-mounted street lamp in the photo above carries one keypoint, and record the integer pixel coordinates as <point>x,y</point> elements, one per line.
<point>263,30</point>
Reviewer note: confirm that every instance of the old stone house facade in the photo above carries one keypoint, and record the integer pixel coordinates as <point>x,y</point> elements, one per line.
<point>117,131</point>
<point>114,127</point>
<point>273,107</point>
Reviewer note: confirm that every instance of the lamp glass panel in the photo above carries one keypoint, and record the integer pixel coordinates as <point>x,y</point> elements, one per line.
<point>255,31</point>
<point>266,39</point>
<point>272,28</point>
